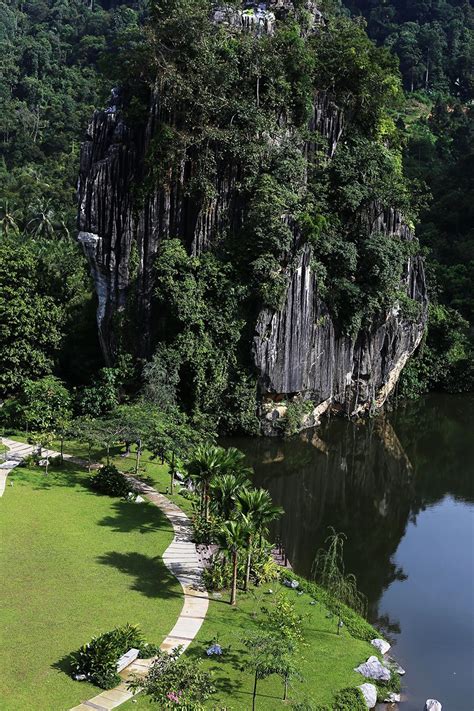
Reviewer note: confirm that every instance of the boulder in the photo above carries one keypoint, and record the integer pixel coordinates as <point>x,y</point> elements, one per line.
<point>369,692</point>
<point>392,698</point>
<point>381,645</point>
<point>394,666</point>
<point>374,669</point>
<point>432,705</point>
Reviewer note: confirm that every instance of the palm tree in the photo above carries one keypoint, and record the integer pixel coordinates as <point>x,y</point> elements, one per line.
<point>210,463</point>
<point>232,537</point>
<point>257,506</point>
<point>8,221</point>
<point>224,495</point>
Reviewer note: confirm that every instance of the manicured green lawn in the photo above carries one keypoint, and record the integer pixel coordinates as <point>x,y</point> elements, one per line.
<point>73,564</point>
<point>327,659</point>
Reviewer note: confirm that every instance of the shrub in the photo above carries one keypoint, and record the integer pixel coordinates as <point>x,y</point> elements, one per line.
<point>205,531</point>
<point>98,659</point>
<point>385,687</point>
<point>349,700</point>
<point>108,480</point>
<point>174,681</point>
<point>219,574</point>
<point>264,569</point>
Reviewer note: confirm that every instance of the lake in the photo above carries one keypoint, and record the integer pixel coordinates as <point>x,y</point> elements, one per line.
<point>401,487</point>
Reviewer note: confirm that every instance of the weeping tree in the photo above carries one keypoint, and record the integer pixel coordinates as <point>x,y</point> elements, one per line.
<point>328,571</point>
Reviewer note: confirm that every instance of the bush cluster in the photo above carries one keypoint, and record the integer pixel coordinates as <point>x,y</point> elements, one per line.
<point>218,575</point>
<point>108,480</point>
<point>97,660</point>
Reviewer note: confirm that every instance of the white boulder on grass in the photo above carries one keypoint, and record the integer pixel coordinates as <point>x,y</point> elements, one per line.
<point>381,645</point>
<point>432,705</point>
<point>369,692</point>
<point>392,698</point>
<point>374,669</point>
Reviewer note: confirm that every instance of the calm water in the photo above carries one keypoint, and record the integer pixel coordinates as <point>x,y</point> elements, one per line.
<point>402,490</point>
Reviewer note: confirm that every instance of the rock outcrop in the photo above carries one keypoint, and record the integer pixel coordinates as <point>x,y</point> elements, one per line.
<point>374,669</point>
<point>298,351</point>
<point>369,692</point>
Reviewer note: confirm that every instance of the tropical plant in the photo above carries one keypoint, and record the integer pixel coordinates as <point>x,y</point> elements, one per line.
<point>97,660</point>
<point>209,463</point>
<point>223,492</point>
<point>233,537</point>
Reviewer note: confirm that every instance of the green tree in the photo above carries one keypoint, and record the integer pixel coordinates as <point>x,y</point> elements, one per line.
<point>269,654</point>
<point>258,507</point>
<point>232,538</point>
<point>30,321</point>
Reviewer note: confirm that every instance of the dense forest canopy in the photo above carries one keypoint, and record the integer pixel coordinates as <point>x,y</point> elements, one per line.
<point>60,59</point>
<point>433,40</point>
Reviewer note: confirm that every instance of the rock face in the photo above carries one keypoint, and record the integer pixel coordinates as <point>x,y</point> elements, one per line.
<point>121,231</point>
<point>297,351</point>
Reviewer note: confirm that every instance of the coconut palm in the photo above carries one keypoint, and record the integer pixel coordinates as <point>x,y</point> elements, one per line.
<point>257,506</point>
<point>8,221</point>
<point>232,537</point>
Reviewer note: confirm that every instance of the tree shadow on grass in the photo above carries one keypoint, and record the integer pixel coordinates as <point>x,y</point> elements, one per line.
<point>142,517</point>
<point>152,577</point>
<point>67,475</point>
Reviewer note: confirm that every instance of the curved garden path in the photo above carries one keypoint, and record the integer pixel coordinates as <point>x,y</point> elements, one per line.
<point>180,558</point>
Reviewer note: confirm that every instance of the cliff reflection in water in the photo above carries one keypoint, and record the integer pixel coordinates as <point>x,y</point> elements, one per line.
<point>368,479</point>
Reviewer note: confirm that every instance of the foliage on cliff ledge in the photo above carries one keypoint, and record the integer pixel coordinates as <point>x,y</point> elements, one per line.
<point>236,105</point>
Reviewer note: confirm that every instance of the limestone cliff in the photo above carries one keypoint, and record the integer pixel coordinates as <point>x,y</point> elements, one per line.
<point>298,351</point>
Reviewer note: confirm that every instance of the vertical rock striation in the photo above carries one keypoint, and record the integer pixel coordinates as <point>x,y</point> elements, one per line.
<point>297,351</point>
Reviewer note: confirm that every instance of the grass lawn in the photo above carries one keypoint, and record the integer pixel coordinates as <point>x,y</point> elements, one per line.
<point>73,564</point>
<point>326,663</point>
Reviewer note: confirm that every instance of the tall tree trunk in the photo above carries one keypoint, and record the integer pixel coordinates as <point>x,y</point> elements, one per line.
<point>206,502</point>
<point>233,592</point>
<point>108,454</point>
<point>285,691</point>
<point>249,564</point>
<point>254,690</point>
<point>137,459</point>
<point>172,472</point>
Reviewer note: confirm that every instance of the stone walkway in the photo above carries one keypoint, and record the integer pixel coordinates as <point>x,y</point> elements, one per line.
<point>17,451</point>
<point>180,558</point>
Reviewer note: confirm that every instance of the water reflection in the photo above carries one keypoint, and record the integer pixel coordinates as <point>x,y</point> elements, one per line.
<point>370,480</point>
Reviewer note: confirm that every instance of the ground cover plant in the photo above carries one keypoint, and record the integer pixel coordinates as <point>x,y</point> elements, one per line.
<point>74,564</point>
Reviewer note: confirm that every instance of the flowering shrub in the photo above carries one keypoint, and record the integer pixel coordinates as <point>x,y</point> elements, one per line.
<point>175,682</point>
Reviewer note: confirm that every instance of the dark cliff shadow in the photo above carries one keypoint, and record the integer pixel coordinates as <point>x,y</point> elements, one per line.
<point>152,577</point>
<point>143,517</point>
